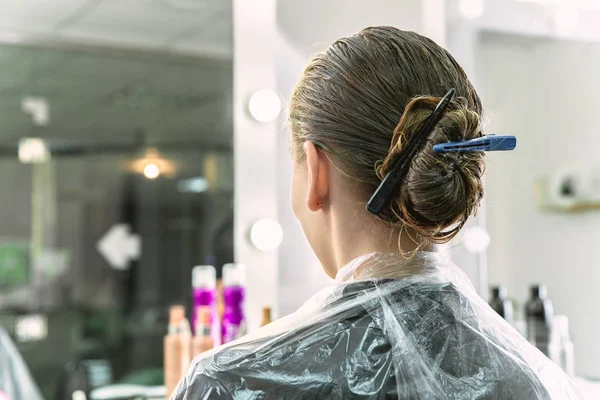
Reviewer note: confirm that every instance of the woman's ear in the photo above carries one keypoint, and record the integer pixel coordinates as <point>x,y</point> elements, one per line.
<point>318,177</point>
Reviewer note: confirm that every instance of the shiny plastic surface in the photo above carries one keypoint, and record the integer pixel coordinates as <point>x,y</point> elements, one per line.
<point>388,329</point>
<point>15,380</point>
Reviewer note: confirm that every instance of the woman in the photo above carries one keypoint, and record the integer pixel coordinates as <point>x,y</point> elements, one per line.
<point>400,322</point>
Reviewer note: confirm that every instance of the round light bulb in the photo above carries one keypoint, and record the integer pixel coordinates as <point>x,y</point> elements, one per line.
<point>476,239</point>
<point>266,234</point>
<point>151,171</point>
<point>264,105</point>
<point>471,9</point>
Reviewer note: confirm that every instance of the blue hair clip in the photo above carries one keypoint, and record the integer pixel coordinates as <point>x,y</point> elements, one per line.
<point>401,165</point>
<point>484,143</point>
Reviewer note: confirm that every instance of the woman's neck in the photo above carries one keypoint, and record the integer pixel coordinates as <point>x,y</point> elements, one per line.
<point>354,237</point>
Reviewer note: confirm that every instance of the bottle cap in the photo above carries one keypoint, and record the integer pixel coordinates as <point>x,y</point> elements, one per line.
<point>267,312</point>
<point>538,291</point>
<point>176,315</point>
<point>499,292</point>
<point>234,275</point>
<point>560,325</point>
<point>204,276</point>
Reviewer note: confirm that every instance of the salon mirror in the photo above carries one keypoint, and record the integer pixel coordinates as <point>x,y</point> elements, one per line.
<point>116,159</point>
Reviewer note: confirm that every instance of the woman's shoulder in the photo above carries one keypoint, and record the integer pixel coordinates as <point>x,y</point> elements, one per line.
<point>359,339</point>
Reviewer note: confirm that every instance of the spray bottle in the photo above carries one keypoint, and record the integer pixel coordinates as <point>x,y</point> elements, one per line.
<point>234,281</point>
<point>177,344</point>
<point>202,339</point>
<point>204,293</point>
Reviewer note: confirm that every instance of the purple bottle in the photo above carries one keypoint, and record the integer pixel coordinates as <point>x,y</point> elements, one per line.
<point>204,293</point>
<point>234,281</point>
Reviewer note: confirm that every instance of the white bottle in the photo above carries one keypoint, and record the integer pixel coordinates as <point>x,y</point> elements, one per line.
<point>561,347</point>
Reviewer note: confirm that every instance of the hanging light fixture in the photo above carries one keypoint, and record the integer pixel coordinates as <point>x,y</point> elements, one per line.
<point>152,165</point>
<point>151,171</point>
<point>33,151</point>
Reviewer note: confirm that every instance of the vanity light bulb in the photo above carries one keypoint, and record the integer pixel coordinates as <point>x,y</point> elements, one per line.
<point>264,105</point>
<point>266,235</point>
<point>476,239</point>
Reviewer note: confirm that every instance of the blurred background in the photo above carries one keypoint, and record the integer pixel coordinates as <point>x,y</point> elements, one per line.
<point>140,138</point>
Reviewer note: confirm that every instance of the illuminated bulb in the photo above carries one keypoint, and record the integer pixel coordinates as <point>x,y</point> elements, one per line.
<point>266,234</point>
<point>264,105</point>
<point>471,9</point>
<point>78,395</point>
<point>476,239</point>
<point>151,171</point>
<point>33,150</point>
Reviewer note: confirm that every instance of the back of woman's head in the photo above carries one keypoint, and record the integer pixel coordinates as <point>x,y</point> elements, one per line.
<point>365,96</point>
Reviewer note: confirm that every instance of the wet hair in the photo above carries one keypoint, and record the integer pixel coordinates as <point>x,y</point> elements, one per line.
<point>361,100</point>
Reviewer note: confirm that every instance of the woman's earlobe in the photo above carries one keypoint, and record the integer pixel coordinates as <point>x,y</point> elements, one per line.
<point>317,178</point>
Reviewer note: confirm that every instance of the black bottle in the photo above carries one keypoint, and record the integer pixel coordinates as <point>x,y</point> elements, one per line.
<point>539,312</point>
<point>501,304</point>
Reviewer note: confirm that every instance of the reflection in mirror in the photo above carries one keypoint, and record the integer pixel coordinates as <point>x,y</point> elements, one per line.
<point>117,169</point>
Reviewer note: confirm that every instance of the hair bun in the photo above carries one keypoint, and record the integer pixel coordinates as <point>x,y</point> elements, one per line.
<point>441,190</point>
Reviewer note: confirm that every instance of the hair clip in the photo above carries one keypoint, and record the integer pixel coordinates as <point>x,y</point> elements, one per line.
<point>401,165</point>
<point>484,143</point>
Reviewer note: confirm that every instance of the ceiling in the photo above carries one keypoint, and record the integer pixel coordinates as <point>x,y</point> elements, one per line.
<point>194,26</point>
<point>112,71</point>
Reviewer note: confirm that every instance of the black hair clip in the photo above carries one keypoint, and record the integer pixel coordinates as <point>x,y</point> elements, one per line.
<point>401,165</point>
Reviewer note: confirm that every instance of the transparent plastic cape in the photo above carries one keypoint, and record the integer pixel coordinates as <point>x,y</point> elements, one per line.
<point>388,329</point>
<point>16,382</point>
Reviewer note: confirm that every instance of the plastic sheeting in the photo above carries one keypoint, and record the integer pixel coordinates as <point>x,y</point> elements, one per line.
<point>16,382</point>
<point>388,329</point>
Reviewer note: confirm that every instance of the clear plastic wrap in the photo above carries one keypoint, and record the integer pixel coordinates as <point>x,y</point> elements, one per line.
<point>16,382</point>
<point>388,329</point>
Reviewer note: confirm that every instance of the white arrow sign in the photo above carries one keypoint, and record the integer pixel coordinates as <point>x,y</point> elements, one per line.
<point>119,246</point>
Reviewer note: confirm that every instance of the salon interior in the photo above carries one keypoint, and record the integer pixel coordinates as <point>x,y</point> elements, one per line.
<point>144,155</point>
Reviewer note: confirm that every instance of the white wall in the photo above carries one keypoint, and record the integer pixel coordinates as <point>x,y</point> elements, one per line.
<point>300,274</point>
<point>556,18</point>
<point>255,147</point>
<point>546,93</point>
